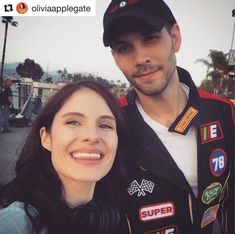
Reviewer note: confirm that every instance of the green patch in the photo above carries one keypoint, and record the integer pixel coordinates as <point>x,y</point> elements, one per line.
<point>211,192</point>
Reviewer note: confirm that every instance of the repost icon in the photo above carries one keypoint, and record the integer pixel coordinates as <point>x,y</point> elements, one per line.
<point>21,7</point>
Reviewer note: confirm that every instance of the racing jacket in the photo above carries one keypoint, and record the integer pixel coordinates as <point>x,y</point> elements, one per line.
<point>160,200</point>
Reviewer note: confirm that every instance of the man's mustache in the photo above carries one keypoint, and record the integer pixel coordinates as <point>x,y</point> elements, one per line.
<point>145,69</point>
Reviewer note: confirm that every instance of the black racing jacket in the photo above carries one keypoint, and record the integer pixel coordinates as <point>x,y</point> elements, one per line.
<point>160,200</point>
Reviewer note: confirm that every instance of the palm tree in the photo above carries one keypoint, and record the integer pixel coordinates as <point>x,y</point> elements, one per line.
<point>6,20</point>
<point>59,74</point>
<point>218,69</point>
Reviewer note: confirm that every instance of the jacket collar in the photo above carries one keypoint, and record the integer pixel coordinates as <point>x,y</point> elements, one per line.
<point>150,152</point>
<point>190,114</point>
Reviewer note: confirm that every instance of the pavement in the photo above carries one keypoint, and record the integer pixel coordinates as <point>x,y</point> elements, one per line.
<point>10,146</point>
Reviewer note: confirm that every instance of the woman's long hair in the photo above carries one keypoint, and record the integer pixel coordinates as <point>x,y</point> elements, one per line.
<point>37,182</point>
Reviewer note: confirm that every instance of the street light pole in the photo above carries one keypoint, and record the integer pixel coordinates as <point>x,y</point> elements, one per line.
<point>3,53</point>
<point>233,15</point>
<point>6,20</point>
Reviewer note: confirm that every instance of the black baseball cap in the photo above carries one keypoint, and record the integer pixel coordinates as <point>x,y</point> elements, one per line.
<point>153,12</point>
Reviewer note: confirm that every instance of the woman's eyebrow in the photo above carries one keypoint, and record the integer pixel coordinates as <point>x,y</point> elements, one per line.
<point>107,117</point>
<point>73,113</point>
<point>82,115</point>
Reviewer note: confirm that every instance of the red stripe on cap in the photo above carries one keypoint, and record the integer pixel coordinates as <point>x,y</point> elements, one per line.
<point>114,9</point>
<point>132,1</point>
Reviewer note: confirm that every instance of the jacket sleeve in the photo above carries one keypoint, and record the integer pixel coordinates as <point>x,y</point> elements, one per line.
<point>14,220</point>
<point>227,205</point>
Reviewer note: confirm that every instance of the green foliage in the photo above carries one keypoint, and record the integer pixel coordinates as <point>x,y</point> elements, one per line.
<point>49,80</point>
<point>30,69</point>
<point>118,88</point>
<point>221,74</point>
<point>207,85</point>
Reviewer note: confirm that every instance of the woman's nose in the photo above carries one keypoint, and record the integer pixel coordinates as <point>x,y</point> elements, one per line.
<point>91,135</point>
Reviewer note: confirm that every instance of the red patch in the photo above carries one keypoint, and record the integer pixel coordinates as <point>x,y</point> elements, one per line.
<point>156,211</point>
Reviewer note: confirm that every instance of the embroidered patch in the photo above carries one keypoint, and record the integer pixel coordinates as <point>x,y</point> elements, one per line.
<point>211,132</point>
<point>156,211</point>
<point>209,215</point>
<point>186,119</point>
<point>145,186</point>
<point>122,4</point>
<point>211,192</point>
<point>165,230</point>
<point>218,162</point>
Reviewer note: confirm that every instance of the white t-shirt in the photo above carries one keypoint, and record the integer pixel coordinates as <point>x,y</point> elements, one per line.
<point>182,148</point>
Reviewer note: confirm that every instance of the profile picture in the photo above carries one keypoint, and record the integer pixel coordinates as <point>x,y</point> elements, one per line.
<point>21,7</point>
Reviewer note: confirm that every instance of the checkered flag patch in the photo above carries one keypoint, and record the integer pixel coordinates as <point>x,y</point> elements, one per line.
<point>145,186</point>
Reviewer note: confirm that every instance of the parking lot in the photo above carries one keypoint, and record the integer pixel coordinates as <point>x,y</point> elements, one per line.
<point>10,145</point>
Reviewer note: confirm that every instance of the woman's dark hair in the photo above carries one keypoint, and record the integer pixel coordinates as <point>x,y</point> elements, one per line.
<point>36,181</point>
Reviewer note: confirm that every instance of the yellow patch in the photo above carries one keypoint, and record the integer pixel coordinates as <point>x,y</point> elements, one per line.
<point>186,119</point>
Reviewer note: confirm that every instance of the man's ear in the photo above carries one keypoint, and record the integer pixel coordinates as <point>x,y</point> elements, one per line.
<point>176,37</point>
<point>45,139</point>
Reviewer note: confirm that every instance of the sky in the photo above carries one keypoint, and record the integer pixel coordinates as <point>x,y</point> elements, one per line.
<point>75,43</point>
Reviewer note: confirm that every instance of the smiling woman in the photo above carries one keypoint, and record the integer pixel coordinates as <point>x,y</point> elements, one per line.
<point>75,141</point>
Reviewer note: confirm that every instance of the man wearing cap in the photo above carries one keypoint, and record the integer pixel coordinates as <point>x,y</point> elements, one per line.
<point>6,104</point>
<point>183,138</point>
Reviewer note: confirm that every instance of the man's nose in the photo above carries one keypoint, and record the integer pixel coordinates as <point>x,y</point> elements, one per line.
<point>141,56</point>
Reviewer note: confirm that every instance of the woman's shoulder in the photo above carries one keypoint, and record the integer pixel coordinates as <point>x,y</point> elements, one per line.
<point>13,219</point>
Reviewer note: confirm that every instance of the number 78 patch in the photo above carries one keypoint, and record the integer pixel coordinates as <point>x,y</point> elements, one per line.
<point>218,162</point>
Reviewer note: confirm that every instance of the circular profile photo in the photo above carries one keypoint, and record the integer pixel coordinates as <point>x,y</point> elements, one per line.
<point>21,7</point>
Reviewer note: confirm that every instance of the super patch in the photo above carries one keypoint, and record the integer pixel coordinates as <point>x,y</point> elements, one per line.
<point>211,192</point>
<point>156,211</point>
<point>211,132</point>
<point>218,162</point>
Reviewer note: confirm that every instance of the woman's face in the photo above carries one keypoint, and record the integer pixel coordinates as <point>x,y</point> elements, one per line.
<point>83,138</point>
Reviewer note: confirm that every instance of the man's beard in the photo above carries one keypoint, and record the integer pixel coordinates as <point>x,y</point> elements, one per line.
<point>151,89</point>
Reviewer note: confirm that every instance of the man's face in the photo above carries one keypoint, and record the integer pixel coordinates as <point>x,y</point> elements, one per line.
<point>148,59</point>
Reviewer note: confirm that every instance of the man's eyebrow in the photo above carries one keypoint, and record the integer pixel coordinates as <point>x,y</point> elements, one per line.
<point>146,33</point>
<point>118,43</point>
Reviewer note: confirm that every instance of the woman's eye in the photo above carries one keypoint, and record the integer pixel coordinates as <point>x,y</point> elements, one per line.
<point>106,126</point>
<point>73,122</point>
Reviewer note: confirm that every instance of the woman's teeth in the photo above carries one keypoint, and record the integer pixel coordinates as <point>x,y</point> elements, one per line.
<point>80,155</point>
